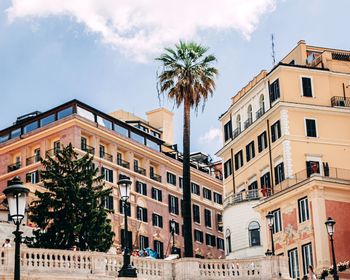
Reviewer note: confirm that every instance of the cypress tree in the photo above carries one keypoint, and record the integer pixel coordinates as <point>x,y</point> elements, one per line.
<point>71,212</point>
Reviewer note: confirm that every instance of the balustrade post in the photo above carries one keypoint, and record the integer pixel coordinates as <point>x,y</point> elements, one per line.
<point>98,264</point>
<point>187,268</point>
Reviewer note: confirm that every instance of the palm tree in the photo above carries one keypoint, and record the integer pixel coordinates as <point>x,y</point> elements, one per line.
<point>187,78</point>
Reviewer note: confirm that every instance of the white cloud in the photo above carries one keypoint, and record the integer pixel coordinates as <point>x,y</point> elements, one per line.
<point>140,28</point>
<point>212,136</point>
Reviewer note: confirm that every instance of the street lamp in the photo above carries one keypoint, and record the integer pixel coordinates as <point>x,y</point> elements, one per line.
<point>16,195</point>
<point>330,229</point>
<point>172,230</point>
<point>270,219</point>
<point>127,270</point>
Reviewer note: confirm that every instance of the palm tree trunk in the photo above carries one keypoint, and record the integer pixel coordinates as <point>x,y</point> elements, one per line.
<point>187,180</point>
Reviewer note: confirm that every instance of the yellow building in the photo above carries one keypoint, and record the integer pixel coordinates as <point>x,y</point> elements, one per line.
<point>124,144</point>
<point>286,150</point>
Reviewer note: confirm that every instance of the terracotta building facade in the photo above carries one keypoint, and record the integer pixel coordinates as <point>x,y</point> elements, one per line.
<point>124,144</point>
<point>285,150</point>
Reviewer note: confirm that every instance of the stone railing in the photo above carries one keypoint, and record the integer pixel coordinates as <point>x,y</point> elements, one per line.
<point>69,265</point>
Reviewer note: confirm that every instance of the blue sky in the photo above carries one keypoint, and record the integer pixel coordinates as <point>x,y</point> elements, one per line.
<point>52,54</point>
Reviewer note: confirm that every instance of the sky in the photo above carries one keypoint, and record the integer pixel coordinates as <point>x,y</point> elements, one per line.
<point>102,51</point>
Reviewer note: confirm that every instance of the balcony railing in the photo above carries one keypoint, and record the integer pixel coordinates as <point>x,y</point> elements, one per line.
<point>88,149</point>
<point>123,163</point>
<point>32,159</point>
<point>260,112</point>
<point>106,156</point>
<point>52,152</point>
<point>140,170</point>
<point>13,167</point>
<point>241,197</point>
<point>340,101</point>
<point>236,132</point>
<point>156,177</point>
<point>248,123</point>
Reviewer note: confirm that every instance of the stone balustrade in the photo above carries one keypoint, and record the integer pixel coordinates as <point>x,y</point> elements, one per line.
<point>69,265</point>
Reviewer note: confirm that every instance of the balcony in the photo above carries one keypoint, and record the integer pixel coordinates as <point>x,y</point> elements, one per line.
<point>52,152</point>
<point>340,101</point>
<point>260,113</point>
<point>106,156</point>
<point>32,159</point>
<point>241,197</point>
<point>236,132</point>
<point>248,123</point>
<point>140,170</point>
<point>88,149</point>
<point>156,177</point>
<point>123,163</point>
<point>13,167</point>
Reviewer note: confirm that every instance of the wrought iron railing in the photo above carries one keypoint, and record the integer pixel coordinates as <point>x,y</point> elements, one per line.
<point>156,177</point>
<point>88,149</point>
<point>236,132</point>
<point>340,101</point>
<point>13,167</point>
<point>32,159</point>
<point>140,170</point>
<point>260,112</point>
<point>341,56</point>
<point>106,156</point>
<point>123,163</point>
<point>248,123</point>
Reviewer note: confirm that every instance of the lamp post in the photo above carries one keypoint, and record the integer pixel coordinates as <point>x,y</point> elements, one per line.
<point>270,218</point>
<point>16,195</point>
<point>127,269</point>
<point>172,230</point>
<point>330,229</point>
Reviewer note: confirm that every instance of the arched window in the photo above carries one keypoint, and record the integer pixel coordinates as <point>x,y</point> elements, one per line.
<point>228,241</point>
<point>262,102</point>
<point>250,113</point>
<point>238,123</point>
<point>254,233</point>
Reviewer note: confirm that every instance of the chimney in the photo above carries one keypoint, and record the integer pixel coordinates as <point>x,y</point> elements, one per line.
<point>162,119</point>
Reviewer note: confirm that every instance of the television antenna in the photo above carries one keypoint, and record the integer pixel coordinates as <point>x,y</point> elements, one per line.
<point>273,54</point>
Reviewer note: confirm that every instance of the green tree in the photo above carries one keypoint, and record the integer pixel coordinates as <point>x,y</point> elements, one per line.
<point>71,212</point>
<point>188,78</point>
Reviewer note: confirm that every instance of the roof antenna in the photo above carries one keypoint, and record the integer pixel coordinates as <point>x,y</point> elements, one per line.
<point>273,54</point>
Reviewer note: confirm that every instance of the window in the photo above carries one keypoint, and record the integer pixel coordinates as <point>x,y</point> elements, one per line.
<point>64,113</point>
<point>207,193</point>
<point>128,208</point>
<point>143,242</point>
<point>310,126</point>
<point>220,244</point>
<point>274,91</point>
<point>159,248</point>
<point>254,234</point>
<point>217,198</point>
<point>293,263</point>
<point>307,257</point>
<point>141,188</point>
<point>262,142</point>
<point>137,137</point>
<point>275,131</point>
<point>228,241</point>
<point>196,214</point>
<point>103,122</point>
<point>207,218</point>
<point>121,130</point>
<point>153,145</point>
<point>30,127</point>
<point>227,168</point>
<point>177,227</point>
<point>141,214</point>
<point>15,133</point>
<point>102,151</point>
<point>173,204</point>
<point>109,204</point>
<point>155,134</point>
<point>56,146</point>
<point>157,194</point>
<point>219,222</point>
<point>250,151</point>
<point>312,167</point>
<point>210,240</point>
<point>33,177</point>
<point>157,220</point>
<point>83,143</point>
<point>279,173</point>
<point>171,178</point>
<point>198,235</point>
<point>303,207</point>
<point>108,174</point>
<point>181,181</point>
<point>238,160</point>
<point>4,138</point>
<point>195,188</point>
<point>277,224</point>
<point>307,88</point>
<point>250,114</point>
<point>47,120</point>
<point>228,131</point>
<point>265,181</point>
